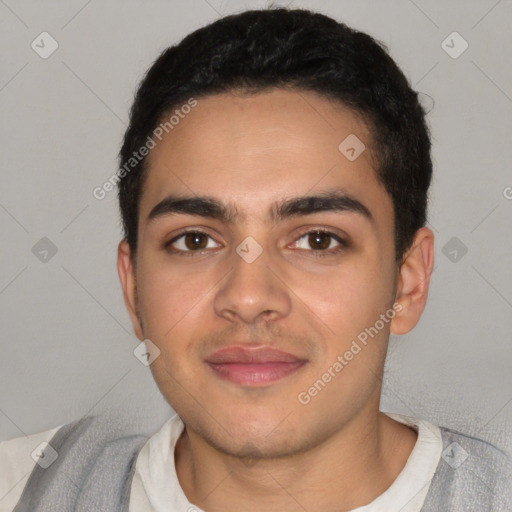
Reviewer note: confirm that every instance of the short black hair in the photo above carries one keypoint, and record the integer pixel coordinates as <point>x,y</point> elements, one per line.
<point>297,49</point>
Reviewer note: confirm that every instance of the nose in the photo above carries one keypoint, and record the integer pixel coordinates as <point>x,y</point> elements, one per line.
<point>253,291</point>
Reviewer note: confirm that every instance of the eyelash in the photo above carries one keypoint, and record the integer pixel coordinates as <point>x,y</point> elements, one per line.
<point>320,253</point>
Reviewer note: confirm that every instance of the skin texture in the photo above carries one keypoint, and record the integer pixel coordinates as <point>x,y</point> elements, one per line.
<point>259,448</point>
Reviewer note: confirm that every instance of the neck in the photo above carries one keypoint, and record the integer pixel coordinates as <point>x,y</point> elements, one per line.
<point>348,470</point>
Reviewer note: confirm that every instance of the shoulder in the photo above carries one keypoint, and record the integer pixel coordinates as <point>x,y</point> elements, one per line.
<point>85,450</point>
<point>460,448</point>
<point>18,458</point>
<point>472,472</point>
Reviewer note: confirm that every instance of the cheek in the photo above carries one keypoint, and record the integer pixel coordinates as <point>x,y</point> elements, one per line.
<point>172,308</point>
<point>168,298</point>
<point>348,298</point>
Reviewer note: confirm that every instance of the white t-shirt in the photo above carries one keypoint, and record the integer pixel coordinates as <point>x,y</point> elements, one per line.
<point>155,485</point>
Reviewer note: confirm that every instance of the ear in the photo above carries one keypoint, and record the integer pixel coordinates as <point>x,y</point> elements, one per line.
<point>413,282</point>
<point>126,273</point>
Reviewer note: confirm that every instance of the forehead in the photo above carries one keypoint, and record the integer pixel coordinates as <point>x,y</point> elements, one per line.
<point>250,151</point>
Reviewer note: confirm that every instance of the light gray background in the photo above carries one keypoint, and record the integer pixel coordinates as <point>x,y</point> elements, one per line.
<point>67,343</point>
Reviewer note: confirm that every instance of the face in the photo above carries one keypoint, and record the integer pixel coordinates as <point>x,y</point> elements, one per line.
<point>251,264</point>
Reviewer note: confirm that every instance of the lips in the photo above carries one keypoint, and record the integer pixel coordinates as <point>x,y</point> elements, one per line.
<point>237,354</point>
<point>256,366</point>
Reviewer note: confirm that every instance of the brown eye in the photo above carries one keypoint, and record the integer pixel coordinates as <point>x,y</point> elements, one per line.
<point>194,241</point>
<point>319,240</point>
<point>321,243</point>
<point>191,241</point>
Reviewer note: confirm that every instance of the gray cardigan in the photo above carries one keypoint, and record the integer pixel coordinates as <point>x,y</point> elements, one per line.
<point>94,471</point>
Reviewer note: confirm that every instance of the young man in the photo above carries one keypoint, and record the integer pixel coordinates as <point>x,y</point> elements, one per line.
<point>273,190</point>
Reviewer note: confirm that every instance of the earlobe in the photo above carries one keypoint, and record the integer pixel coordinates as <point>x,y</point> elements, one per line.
<point>413,282</point>
<point>126,273</point>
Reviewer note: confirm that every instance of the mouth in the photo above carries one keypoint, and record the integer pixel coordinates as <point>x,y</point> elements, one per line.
<point>255,367</point>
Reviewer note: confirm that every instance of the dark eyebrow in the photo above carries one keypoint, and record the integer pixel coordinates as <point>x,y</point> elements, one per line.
<point>327,201</point>
<point>205,206</point>
<point>202,206</point>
